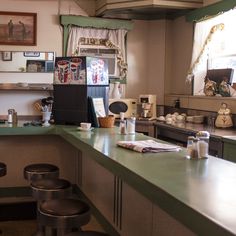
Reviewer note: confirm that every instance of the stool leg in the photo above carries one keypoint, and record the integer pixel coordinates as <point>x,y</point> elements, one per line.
<point>40,228</point>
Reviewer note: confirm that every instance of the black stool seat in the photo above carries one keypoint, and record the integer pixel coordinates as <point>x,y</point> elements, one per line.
<point>40,171</point>
<point>50,184</point>
<point>64,214</point>
<point>87,233</point>
<point>3,169</point>
<point>64,207</point>
<point>45,189</point>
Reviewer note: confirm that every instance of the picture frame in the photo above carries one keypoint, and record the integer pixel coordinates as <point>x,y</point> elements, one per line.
<point>18,28</point>
<point>7,56</point>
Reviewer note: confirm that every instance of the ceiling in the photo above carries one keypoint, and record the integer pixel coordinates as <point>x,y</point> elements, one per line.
<point>145,9</point>
<point>153,13</point>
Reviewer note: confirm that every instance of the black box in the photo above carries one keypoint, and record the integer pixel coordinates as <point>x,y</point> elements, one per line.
<point>71,103</point>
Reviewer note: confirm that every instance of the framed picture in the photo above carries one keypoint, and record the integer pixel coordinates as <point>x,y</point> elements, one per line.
<point>7,56</point>
<point>18,28</point>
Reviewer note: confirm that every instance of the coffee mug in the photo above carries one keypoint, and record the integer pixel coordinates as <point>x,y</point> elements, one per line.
<point>85,125</point>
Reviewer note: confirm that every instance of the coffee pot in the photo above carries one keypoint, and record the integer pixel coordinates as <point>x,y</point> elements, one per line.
<point>148,104</point>
<point>10,115</point>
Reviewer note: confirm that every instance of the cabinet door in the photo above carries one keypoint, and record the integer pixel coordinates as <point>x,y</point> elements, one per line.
<point>98,186</point>
<point>216,147</point>
<point>136,213</point>
<point>165,225</point>
<point>229,152</point>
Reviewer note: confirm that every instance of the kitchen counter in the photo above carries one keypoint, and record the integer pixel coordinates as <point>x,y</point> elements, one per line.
<point>198,193</point>
<point>216,132</point>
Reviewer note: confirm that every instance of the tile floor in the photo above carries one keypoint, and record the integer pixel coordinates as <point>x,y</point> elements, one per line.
<point>28,227</point>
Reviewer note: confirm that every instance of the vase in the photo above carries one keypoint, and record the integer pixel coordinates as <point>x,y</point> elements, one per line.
<point>115,91</point>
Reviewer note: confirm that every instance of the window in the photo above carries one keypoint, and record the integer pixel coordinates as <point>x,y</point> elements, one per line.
<point>214,48</point>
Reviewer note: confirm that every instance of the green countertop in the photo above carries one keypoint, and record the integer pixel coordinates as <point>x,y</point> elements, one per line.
<point>186,126</point>
<point>199,193</point>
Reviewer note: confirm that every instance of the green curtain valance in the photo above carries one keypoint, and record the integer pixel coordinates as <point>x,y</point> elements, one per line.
<point>210,10</point>
<point>92,22</point>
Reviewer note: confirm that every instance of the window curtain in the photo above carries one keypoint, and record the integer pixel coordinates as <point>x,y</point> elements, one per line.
<point>113,39</point>
<point>210,39</point>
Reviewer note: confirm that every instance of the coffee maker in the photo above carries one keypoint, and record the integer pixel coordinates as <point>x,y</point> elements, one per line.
<point>148,107</point>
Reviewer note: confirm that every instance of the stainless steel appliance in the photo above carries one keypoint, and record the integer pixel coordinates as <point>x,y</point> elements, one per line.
<point>148,106</point>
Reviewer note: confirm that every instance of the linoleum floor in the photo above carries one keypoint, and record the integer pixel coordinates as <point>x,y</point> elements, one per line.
<point>28,227</point>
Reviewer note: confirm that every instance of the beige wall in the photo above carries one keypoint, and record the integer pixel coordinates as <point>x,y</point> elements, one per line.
<point>137,57</point>
<point>20,151</point>
<point>179,51</point>
<point>146,59</point>
<point>49,38</point>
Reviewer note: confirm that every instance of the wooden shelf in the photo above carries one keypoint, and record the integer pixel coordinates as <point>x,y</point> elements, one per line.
<point>26,87</point>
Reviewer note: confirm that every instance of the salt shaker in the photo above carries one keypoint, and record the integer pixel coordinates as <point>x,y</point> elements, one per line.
<point>131,125</point>
<point>189,151</point>
<point>14,118</point>
<point>122,123</point>
<point>203,143</point>
<point>194,153</point>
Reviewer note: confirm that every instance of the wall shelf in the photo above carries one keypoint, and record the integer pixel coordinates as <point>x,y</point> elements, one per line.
<point>26,86</point>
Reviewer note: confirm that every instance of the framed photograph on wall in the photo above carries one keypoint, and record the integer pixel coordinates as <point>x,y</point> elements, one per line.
<point>7,56</point>
<point>18,28</point>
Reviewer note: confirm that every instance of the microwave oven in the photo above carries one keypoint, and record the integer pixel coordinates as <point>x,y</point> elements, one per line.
<point>126,105</point>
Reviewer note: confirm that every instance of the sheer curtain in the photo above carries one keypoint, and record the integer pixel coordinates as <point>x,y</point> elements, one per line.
<point>212,37</point>
<point>113,39</point>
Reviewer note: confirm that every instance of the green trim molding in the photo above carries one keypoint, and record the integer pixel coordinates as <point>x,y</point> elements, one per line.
<point>210,10</point>
<point>93,22</point>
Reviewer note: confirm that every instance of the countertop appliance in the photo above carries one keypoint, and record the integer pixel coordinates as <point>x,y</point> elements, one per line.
<point>126,105</point>
<point>148,106</point>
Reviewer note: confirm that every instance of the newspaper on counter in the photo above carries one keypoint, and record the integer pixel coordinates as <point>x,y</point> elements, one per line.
<point>148,146</point>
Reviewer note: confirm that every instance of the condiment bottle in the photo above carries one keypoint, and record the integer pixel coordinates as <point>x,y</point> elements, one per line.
<point>14,118</point>
<point>131,125</point>
<point>122,123</point>
<point>189,151</point>
<point>203,143</point>
<point>194,153</point>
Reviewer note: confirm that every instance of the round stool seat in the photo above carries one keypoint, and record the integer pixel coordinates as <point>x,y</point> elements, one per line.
<point>40,171</point>
<point>44,189</point>
<point>3,169</point>
<point>64,214</point>
<point>87,233</point>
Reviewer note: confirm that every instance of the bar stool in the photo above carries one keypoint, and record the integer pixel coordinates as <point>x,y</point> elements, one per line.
<point>3,169</point>
<point>45,189</point>
<point>40,171</point>
<point>64,215</point>
<point>87,233</point>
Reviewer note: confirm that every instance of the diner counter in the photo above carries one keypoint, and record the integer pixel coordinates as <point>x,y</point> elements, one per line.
<point>186,126</point>
<point>198,193</point>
